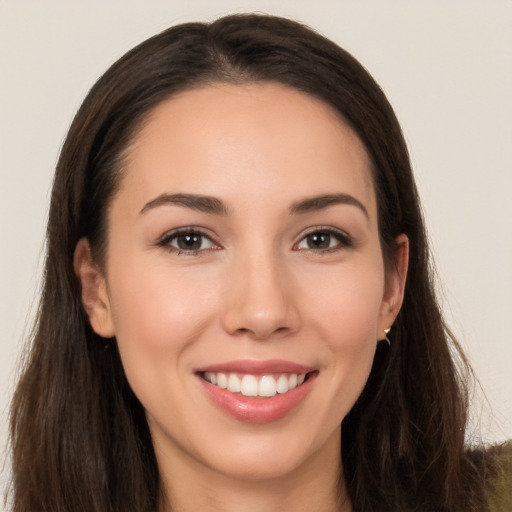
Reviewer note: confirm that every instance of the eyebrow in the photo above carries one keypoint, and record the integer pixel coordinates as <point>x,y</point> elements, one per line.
<point>205,204</point>
<point>215,206</point>
<point>316,203</point>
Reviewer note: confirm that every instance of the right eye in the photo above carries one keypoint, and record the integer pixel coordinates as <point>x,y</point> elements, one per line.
<point>188,241</point>
<point>324,240</point>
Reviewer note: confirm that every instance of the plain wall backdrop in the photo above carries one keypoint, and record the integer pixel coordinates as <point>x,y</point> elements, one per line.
<point>446,67</point>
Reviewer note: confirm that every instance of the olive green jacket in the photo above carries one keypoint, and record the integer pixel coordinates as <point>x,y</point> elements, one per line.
<point>500,485</point>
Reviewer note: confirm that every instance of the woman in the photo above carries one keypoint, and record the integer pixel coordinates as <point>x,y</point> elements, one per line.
<point>234,228</point>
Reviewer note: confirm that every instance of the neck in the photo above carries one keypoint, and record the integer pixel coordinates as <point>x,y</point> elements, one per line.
<point>317,485</point>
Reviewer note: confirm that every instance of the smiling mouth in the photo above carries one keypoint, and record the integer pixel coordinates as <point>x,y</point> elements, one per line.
<point>256,385</point>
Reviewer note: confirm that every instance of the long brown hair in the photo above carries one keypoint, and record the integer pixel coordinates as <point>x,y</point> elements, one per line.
<point>79,436</point>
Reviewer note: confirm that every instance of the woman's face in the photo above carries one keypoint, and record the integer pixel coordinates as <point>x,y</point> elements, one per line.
<point>244,252</point>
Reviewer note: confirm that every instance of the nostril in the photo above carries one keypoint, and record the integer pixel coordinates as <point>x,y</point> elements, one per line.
<point>261,332</point>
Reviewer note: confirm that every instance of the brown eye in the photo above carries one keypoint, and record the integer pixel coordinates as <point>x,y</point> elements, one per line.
<point>318,240</point>
<point>324,240</point>
<point>189,241</point>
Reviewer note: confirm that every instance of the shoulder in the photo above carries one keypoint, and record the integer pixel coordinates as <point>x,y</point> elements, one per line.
<point>499,482</point>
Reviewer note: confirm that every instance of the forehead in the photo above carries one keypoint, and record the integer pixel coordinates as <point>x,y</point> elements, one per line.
<point>225,138</point>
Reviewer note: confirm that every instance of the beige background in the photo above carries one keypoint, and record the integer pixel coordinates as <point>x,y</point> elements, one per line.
<point>445,65</point>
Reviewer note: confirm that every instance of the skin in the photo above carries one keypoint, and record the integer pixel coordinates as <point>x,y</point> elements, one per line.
<point>256,289</point>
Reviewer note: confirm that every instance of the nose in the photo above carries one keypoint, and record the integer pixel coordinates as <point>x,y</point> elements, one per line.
<point>260,300</point>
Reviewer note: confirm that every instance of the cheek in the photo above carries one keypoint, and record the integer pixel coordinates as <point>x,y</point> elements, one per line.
<point>346,305</point>
<point>345,312</point>
<point>157,315</point>
<point>156,305</point>
<point>352,344</point>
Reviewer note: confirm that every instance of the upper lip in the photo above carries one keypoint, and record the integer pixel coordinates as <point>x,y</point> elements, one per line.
<point>255,367</point>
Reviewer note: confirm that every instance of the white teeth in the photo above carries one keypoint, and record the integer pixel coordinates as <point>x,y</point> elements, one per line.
<point>234,384</point>
<point>267,386</point>
<point>211,377</point>
<point>251,385</point>
<point>282,384</point>
<point>222,380</point>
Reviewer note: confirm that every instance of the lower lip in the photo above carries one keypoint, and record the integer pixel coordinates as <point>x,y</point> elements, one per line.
<point>257,409</point>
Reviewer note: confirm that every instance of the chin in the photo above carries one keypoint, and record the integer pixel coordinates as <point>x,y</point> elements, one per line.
<point>273,456</point>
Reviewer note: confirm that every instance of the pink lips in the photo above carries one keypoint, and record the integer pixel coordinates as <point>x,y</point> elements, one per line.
<point>258,409</point>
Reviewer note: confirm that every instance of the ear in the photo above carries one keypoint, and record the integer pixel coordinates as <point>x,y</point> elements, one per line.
<point>94,290</point>
<point>395,286</point>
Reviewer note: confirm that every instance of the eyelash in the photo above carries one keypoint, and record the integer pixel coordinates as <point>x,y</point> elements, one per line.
<point>168,238</point>
<point>344,241</point>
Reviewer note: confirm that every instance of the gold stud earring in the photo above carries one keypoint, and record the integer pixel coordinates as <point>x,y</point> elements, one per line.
<point>386,331</point>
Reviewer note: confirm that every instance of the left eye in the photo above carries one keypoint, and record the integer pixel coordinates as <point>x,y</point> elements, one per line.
<point>190,241</point>
<point>322,240</point>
